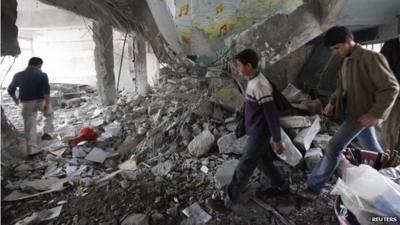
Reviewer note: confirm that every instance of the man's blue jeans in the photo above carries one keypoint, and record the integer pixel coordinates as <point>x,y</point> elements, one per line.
<point>347,132</point>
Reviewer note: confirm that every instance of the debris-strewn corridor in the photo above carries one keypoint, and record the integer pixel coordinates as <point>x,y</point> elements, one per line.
<point>190,112</point>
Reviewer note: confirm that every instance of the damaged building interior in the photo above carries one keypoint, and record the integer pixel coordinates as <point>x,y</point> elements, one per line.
<point>142,106</point>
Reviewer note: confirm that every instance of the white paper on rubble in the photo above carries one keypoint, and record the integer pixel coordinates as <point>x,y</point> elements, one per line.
<point>97,155</point>
<point>78,152</point>
<point>307,135</point>
<point>195,211</point>
<point>204,169</point>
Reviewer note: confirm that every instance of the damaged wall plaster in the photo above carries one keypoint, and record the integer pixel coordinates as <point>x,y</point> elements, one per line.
<point>9,31</point>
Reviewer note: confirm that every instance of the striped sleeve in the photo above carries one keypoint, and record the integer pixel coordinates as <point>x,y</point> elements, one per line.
<point>263,93</point>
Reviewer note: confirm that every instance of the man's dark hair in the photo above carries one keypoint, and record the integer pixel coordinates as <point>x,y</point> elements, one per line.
<point>337,35</point>
<point>248,56</point>
<point>35,61</point>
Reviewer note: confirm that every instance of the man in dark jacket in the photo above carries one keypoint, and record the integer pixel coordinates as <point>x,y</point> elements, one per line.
<point>34,94</point>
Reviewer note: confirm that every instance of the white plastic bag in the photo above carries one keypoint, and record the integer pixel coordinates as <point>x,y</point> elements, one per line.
<point>367,193</point>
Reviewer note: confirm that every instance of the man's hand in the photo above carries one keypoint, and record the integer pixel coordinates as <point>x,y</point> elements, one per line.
<point>241,108</point>
<point>46,108</point>
<point>278,147</point>
<point>368,120</point>
<point>328,111</point>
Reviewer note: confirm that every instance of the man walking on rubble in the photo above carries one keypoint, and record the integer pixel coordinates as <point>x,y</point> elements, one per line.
<point>365,93</point>
<point>34,94</point>
<point>261,124</point>
<point>390,138</point>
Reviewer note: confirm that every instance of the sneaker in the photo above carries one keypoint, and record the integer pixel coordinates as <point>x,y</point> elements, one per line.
<point>46,136</point>
<point>217,205</point>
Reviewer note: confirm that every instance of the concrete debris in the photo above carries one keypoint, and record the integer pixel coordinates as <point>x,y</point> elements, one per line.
<point>312,157</point>
<point>153,153</point>
<point>201,144</point>
<point>224,173</point>
<point>49,186</point>
<point>112,130</point>
<point>294,95</point>
<point>295,122</point>
<point>321,141</point>
<point>230,144</point>
<point>292,155</point>
<point>205,109</point>
<point>307,135</point>
<point>136,219</point>
<point>162,169</point>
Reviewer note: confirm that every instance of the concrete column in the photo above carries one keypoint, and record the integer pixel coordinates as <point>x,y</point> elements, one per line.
<point>104,61</point>
<point>142,86</point>
<point>9,31</point>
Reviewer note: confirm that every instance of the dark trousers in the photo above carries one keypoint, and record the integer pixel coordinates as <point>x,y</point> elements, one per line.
<point>257,153</point>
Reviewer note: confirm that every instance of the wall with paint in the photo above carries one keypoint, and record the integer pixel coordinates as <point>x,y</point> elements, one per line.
<point>204,26</point>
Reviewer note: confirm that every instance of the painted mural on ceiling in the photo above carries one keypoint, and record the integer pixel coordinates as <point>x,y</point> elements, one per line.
<point>205,25</point>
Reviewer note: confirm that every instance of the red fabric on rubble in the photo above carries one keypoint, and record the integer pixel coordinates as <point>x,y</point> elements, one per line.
<point>85,134</point>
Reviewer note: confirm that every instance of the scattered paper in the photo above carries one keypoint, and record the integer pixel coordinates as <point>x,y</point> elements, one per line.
<point>195,211</point>
<point>78,152</point>
<point>204,169</point>
<point>97,155</point>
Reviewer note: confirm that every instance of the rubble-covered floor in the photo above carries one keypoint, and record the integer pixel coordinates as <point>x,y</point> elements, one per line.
<point>168,177</point>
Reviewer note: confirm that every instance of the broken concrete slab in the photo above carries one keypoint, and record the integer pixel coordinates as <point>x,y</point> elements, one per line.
<point>290,122</point>
<point>306,136</point>
<point>162,169</point>
<point>230,144</point>
<point>294,95</point>
<point>201,144</point>
<point>321,141</point>
<point>292,155</point>
<point>312,157</point>
<point>73,103</point>
<point>224,174</point>
<point>136,219</point>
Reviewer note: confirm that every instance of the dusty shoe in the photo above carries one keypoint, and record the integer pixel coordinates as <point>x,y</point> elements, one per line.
<point>217,205</point>
<point>46,136</point>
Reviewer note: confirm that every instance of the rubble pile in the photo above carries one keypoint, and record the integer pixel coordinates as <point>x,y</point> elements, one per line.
<point>157,159</point>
